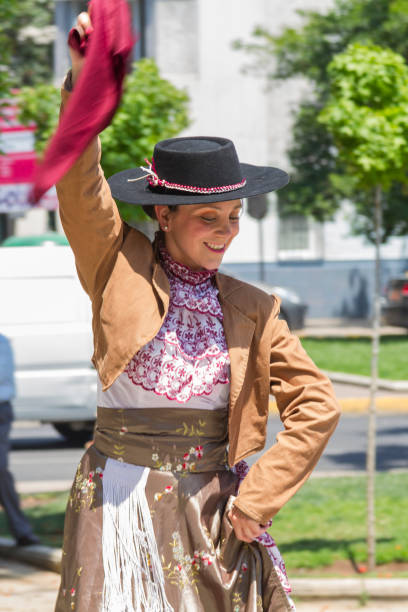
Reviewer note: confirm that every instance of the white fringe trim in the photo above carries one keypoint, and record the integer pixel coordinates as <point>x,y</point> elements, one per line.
<point>134,580</point>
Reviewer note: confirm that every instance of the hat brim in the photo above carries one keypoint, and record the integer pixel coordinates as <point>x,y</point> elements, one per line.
<point>259,179</point>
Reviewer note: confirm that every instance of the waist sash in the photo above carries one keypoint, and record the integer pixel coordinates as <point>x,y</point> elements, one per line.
<point>166,439</point>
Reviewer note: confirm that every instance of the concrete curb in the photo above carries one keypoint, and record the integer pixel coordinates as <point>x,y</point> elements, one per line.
<point>42,486</point>
<point>359,405</point>
<point>350,588</point>
<point>38,555</point>
<point>389,404</point>
<point>49,558</point>
<point>343,328</point>
<point>365,381</point>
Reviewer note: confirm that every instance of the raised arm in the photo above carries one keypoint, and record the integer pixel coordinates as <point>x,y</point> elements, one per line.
<point>89,214</point>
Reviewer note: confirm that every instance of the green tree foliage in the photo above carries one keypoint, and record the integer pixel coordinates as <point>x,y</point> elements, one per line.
<point>40,104</point>
<point>6,10</point>
<point>151,109</point>
<point>26,36</point>
<point>367,114</point>
<point>320,180</point>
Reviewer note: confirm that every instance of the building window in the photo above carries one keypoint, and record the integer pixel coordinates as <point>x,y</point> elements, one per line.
<point>293,233</point>
<point>299,238</point>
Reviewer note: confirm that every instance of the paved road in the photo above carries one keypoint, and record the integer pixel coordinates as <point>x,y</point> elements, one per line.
<point>41,455</point>
<point>346,449</point>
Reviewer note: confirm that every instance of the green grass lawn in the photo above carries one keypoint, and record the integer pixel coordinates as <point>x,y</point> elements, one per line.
<point>353,355</point>
<point>323,523</point>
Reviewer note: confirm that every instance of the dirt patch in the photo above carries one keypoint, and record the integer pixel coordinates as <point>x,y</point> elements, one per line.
<point>33,501</point>
<point>348,569</point>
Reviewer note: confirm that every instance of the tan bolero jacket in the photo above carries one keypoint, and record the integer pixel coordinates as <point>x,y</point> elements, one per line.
<point>130,296</point>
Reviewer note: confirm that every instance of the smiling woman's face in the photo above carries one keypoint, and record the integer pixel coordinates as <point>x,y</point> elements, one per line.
<point>198,235</point>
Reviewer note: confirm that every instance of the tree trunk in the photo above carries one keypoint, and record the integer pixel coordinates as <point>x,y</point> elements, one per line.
<point>371,437</point>
<point>261,251</point>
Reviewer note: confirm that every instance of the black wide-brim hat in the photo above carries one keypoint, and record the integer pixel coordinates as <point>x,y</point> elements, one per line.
<point>194,170</point>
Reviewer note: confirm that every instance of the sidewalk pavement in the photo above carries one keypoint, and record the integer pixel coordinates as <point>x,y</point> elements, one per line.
<point>352,393</point>
<point>33,588</point>
<point>24,588</point>
<point>347,328</point>
<point>345,605</point>
<point>352,390</point>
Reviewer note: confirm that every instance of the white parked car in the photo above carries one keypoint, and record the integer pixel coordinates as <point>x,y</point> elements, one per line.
<point>47,316</point>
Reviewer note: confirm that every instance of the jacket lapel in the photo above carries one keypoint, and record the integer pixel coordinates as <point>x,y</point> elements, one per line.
<point>239,331</point>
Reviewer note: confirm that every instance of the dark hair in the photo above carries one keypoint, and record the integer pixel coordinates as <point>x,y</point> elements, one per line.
<point>150,211</point>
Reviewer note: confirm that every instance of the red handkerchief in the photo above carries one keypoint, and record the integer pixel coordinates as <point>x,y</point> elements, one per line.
<point>96,95</point>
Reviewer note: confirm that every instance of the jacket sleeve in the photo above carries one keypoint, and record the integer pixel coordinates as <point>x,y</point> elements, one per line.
<point>309,413</point>
<point>89,215</point>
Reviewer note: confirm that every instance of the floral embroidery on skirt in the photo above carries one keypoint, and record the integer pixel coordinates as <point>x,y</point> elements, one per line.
<point>205,567</point>
<point>196,563</point>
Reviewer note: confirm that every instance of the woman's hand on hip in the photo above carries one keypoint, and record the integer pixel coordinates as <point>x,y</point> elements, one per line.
<point>245,528</point>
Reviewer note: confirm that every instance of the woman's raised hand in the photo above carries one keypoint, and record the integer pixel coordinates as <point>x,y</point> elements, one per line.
<point>245,528</point>
<point>83,27</point>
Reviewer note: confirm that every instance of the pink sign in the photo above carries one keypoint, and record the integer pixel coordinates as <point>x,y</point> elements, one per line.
<point>17,163</point>
<point>17,147</point>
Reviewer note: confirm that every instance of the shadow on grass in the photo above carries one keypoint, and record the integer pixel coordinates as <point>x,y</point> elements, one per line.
<point>315,545</point>
<point>49,528</point>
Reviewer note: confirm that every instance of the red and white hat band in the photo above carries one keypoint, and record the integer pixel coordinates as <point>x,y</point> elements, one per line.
<point>155,181</point>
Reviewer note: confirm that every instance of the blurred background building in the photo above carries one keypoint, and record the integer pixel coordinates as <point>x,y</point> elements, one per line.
<point>192,43</point>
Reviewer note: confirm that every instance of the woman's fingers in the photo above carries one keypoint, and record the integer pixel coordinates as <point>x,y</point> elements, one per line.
<point>77,42</point>
<point>83,23</point>
<point>245,528</point>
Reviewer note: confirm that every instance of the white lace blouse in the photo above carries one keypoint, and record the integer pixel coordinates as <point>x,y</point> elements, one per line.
<point>187,363</point>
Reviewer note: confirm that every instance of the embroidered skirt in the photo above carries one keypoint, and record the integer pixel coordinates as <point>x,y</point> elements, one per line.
<point>146,526</point>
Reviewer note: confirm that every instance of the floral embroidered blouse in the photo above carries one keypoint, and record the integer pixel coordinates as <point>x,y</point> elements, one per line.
<point>187,363</point>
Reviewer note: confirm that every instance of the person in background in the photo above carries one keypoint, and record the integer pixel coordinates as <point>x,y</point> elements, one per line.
<point>18,523</point>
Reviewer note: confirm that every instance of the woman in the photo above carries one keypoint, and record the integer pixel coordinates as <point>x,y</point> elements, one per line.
<point>186,359</point>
